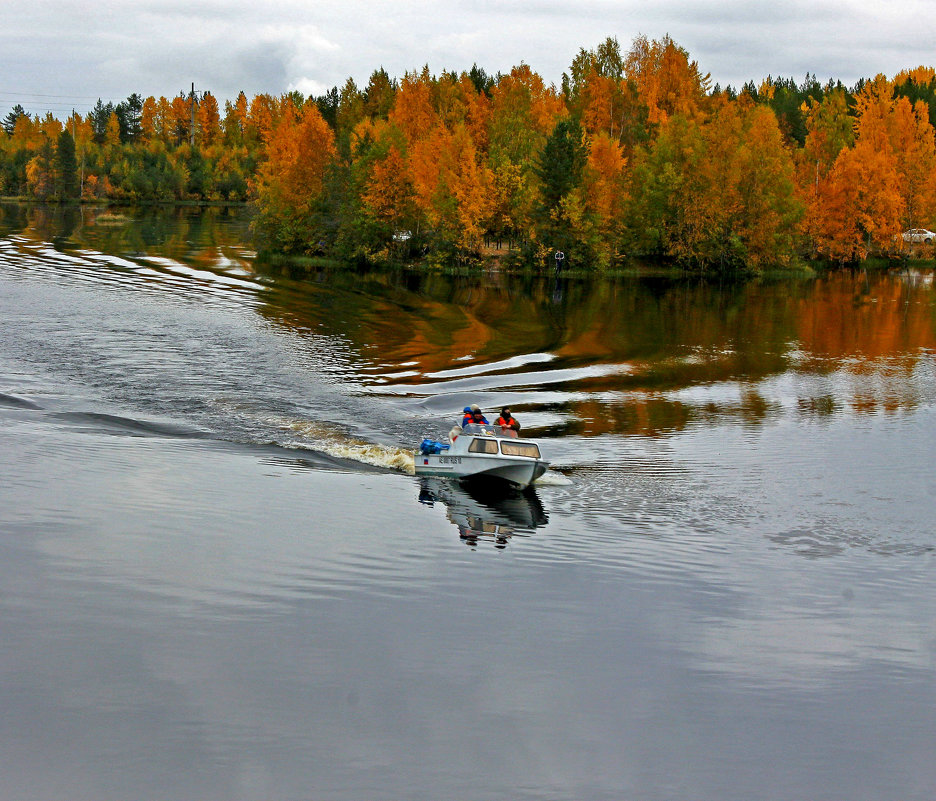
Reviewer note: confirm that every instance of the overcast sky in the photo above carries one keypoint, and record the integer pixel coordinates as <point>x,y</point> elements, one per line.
<point>59,54</point>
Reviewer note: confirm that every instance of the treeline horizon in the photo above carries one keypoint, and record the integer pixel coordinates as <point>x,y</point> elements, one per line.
<point>635,154</point>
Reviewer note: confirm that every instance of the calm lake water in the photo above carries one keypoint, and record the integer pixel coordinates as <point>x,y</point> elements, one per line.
<point>220,580</point>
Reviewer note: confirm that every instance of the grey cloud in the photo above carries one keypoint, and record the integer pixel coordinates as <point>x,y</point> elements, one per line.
<point>157,46</point>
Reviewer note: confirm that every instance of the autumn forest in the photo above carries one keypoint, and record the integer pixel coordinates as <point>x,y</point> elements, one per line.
<point>635,154</point>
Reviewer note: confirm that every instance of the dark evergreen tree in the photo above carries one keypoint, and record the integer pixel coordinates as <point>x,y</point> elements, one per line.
<point>328,106</point>
<point>787,102</point>
<point>66,167</point>
<point>811,88</point>
<point>560,163</point>
<point>559,169</point>
<point>481,80</point>
<point>197,179</point>
<point>914,91</point>
<point>379,94</point>
<point>129,113</point>
<point>100,115</point>
<point>9,121</point>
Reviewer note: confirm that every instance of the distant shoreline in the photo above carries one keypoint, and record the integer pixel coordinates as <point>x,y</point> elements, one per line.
<point>119,202</point>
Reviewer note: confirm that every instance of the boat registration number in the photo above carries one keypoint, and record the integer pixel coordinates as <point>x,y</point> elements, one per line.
<point>450,460</point>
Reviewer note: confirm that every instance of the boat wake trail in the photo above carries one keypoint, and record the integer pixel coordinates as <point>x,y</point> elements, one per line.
<point>331,440</point>
<point>99,422</point>
<point>15,402</point>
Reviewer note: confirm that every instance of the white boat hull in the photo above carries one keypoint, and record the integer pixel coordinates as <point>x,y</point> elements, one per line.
<point>519,471</point>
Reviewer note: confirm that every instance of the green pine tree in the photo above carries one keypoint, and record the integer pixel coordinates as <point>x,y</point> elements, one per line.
<point>66,167</point>
<point>559,169</point>
<point>9,121</point>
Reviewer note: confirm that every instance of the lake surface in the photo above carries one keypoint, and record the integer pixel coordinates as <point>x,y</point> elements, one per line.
<point>219,578</point>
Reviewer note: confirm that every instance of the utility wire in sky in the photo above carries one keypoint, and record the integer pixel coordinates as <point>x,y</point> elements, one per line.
<point>39,102</point>
<point>38,94</point>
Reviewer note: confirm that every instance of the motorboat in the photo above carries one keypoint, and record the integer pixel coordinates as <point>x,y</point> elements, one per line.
<point>477,451</point>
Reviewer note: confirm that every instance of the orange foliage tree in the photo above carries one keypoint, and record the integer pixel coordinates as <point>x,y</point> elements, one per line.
<point>290,183</point>
<point>598,91</point>
<point>412,110</point>
<point>666,79</point>
<point>387,194</point>
<point>861,208</point>
<point>915,151</point>
<point>719,193</point>
<point>881,185</point>
<point>150,123</point>
<point>830,129</point>
<point>208,120</point>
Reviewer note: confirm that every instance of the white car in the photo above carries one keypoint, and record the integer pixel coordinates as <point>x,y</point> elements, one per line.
<point>915,236</point>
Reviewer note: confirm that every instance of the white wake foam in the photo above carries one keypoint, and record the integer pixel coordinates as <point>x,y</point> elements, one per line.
<point>334,442</point>
<point>553,479</point>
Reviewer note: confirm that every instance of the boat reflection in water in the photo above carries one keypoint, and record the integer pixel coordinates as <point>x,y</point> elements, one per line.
<point>491,511</point>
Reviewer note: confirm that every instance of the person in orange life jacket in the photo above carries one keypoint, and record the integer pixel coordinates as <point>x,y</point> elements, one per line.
<point>473,415</point>
<point>466,416</point>
<point>506,420</point>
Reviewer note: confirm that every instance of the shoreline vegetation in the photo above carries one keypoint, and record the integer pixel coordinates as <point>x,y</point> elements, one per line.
<point>636,156</point>
<point>104,201</point>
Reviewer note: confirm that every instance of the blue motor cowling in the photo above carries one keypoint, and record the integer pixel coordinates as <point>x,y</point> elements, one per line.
<point>430,446</point>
